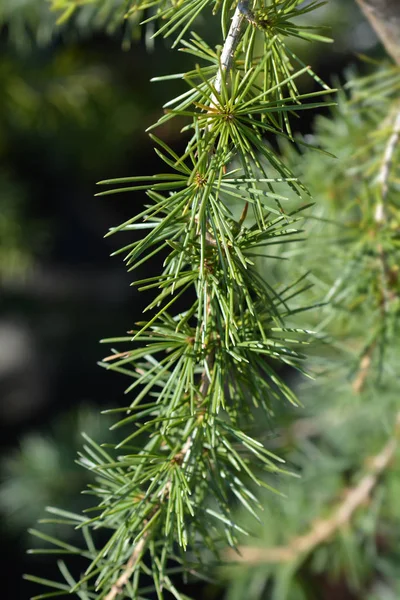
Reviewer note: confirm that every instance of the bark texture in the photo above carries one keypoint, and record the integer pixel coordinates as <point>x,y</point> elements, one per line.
<point>384,16</point>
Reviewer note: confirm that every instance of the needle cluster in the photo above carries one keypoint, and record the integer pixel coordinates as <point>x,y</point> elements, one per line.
<point>164,495</point>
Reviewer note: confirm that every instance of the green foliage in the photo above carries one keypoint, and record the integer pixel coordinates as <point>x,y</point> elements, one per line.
<point>166,488</point>
<point>43,472</point>
<point>39,21</point>
<point>351,253</point>
<point>185,482</point>
<point>358,214</point>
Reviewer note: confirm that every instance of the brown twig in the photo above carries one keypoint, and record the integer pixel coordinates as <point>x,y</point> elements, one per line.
<point>117,355</point>
<point>384,171</point>
<point>363,371</point>
<point>128,569</point>
<point>384,16</point>
<point>323,529</point>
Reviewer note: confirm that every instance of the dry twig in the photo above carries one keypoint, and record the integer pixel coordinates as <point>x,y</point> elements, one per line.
<point>384,172</point>
<point>363,371</point>
<point>384,16</point>
<point>323,529</point>
<point>128,569</point>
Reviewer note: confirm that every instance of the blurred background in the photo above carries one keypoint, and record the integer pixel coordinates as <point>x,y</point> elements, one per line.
<point>75,100</point>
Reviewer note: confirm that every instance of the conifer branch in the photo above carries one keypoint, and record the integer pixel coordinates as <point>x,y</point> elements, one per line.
<point>127,572</point>
<point>380,217</point>
<point>363,371</point>
<point>197,369</point>
<point>227,54</point>
<point>384,172</point>
<point>384,16</point>
<point>324,529</point>
<point>229,47</point>
<point>228,50</point>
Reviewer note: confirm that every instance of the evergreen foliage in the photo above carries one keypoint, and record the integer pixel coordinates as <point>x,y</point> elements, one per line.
<point>35,21</point>
<point>341,518</point>
<point>185,482</point>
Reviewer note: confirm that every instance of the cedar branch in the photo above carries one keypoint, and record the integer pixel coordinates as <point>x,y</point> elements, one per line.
<point>380,218</point>
<point>323,529</point>
<point>229,47</point>
<point>129,568</point>
<point>228,50</point>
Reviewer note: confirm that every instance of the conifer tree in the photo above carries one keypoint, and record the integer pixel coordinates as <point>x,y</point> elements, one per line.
<point>272,284</point>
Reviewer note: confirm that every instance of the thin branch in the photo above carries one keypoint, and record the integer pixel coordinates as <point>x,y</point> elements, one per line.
<point>323,530</point>
<point>384,16</point>
<point>228,50</point>
<point>227,54</point>
<point>210,240</point>
<point>363,371</point>
<point>380,218</point>
<point>129,568</point>
<point>384,172</point>
<point>205,381</point>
